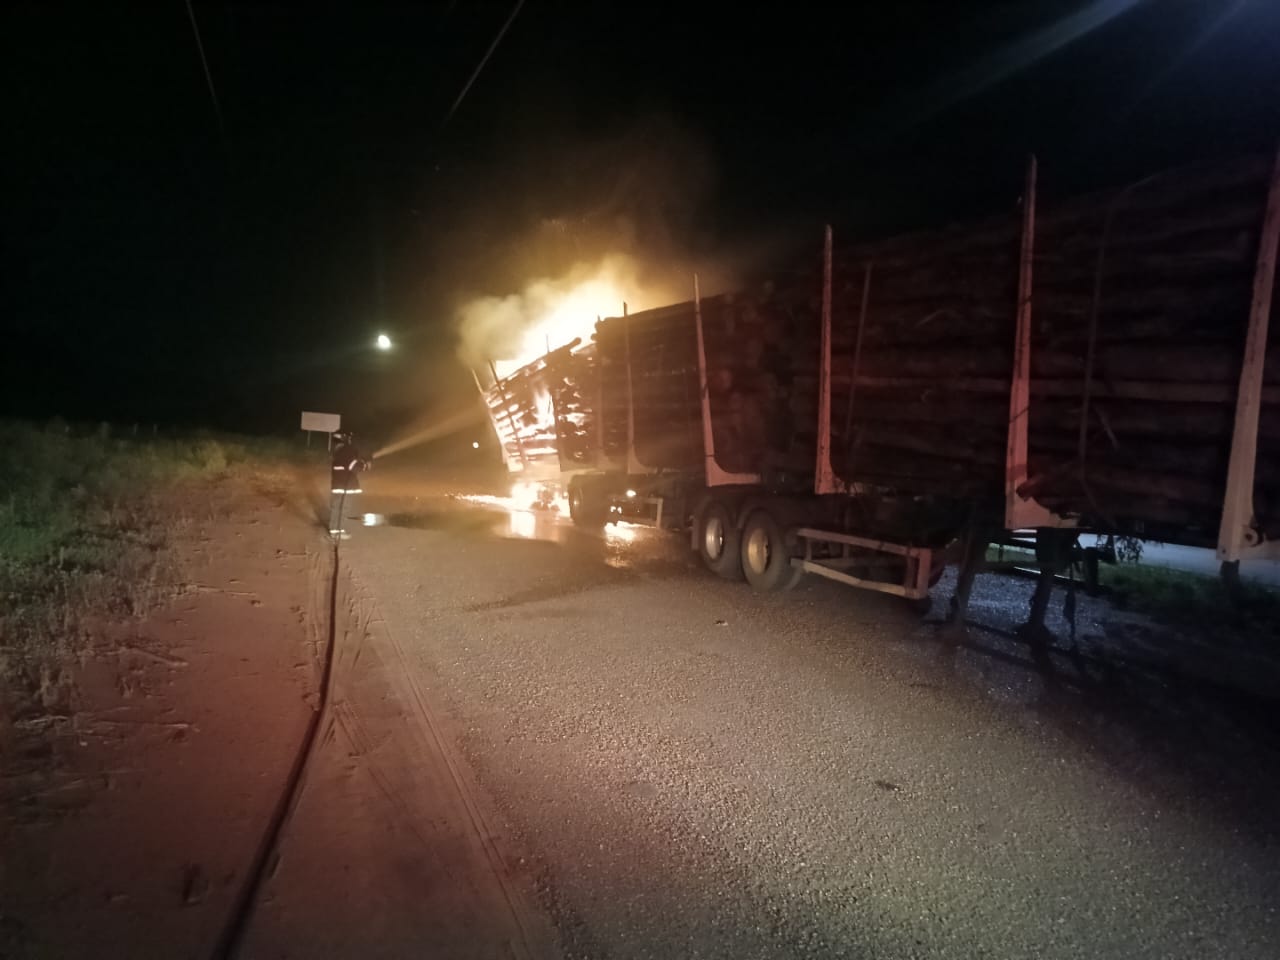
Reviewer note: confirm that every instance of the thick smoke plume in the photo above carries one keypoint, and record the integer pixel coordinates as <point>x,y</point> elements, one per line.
<point>552,311</point>
<point>580,232</point>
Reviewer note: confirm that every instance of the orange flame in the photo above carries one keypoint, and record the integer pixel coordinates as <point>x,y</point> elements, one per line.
<point>515,330</point>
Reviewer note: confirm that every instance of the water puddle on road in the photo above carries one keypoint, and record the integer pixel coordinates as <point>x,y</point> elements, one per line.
<point>519,522</point>
<point>622,546</point>
<point>551,523</point>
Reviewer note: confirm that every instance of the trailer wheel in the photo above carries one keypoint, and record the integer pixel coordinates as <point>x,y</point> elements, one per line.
<point>766,558</point>
<point>718,541</point>
<point>585,508</point>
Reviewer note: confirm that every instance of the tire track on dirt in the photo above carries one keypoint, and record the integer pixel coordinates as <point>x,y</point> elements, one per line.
<point>433,742</point>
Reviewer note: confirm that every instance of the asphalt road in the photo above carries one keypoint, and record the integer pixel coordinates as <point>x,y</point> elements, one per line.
<point>688,769</point>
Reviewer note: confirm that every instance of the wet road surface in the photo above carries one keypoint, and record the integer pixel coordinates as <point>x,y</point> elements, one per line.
<point>688,769</point>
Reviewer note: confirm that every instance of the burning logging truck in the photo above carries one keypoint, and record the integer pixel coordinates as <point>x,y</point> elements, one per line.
<point>1103,364</point>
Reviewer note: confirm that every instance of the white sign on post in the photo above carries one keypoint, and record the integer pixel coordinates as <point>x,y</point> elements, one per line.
<point>320,423</point>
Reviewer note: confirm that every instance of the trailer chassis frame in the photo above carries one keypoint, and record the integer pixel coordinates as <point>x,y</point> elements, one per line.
<point>916,575</point>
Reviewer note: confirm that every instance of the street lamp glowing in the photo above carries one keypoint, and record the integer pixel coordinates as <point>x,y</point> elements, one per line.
<point>384,342</point>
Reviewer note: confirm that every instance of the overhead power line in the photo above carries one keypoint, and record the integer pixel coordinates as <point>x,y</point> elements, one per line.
<point>480,66</point>
<point>204,62</point>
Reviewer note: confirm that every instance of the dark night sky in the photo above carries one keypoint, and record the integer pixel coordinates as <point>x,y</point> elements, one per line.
<point>159,268</point>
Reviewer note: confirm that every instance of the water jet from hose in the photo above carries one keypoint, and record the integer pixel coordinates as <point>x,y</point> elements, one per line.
<point>440,428</point>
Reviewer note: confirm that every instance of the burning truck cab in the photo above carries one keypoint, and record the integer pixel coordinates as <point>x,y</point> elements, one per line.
<point>543,423</point>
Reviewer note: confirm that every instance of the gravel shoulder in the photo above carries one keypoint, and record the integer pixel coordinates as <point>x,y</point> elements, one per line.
<point>392,849</point>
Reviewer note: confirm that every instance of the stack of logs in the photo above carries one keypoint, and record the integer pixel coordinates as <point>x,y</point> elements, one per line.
<point>1162,274</point>
<point>921,354</point>
<point>761,353</point>
<point>652,354</point>
<point>1140,301</point>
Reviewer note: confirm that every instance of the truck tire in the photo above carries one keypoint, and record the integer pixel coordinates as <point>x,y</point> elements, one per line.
<point>766,556</point>
<point>718,540</point>
<point>586,506</point>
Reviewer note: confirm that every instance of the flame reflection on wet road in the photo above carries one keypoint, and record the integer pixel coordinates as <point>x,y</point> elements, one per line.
<point>482,505</point>
<point>528,519</point>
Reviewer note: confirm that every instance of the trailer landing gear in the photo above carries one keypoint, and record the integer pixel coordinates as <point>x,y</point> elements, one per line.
<point>1053,554</point>
<point>972,559</point>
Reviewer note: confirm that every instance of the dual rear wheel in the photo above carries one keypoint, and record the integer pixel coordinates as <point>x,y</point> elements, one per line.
<point>719,540</point>
<point>756,550</point>
<point>766,554</point>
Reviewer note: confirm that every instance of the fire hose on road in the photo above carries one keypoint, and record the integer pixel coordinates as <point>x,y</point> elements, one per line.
<point>238,921</point>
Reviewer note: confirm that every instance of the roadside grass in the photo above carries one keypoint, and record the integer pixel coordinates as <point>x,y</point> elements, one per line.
<point>1248,615</point>
<point>1180,598</point>
<point>86,517</point>
<point>997,554</point>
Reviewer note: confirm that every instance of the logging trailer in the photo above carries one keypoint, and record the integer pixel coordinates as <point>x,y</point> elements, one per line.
<point>1101,365</point>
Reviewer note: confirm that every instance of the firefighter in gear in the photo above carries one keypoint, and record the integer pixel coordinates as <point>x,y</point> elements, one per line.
<point>348,465</point>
